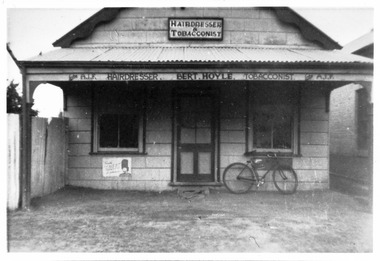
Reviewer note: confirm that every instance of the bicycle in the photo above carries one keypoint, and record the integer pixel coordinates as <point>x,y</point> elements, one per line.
<point>239,177</point>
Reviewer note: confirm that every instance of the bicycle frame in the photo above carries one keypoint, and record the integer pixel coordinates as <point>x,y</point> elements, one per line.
<point>259,178</point>
<point>273,166</point>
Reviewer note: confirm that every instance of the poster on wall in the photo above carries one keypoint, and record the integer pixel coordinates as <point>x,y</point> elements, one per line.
<point>117,167</point>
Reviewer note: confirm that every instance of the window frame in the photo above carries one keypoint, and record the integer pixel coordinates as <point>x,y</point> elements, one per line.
<point>295,132</point>
<point>141,113</point>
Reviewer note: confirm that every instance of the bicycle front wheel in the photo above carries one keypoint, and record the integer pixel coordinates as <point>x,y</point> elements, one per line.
<point>238,178</point>
<point>285,179</point>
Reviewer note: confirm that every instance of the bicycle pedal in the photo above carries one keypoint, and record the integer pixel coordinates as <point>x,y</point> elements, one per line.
<point>260,183</point>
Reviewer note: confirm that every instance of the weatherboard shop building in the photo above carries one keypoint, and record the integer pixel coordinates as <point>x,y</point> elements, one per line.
<point>167,97</point>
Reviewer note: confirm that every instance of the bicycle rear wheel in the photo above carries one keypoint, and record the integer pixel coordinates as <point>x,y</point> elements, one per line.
<point>238,178</point>
<point>285,179</point>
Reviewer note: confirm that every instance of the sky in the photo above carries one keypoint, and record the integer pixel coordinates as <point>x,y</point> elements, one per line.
<point>33,30</point>
<point>30,31</point>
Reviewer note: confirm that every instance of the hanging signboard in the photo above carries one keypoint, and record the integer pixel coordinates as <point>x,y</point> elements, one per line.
<point>117,167</point>
<point>195,29</point>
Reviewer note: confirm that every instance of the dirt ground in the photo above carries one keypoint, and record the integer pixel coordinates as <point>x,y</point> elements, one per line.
<point>86,220</point>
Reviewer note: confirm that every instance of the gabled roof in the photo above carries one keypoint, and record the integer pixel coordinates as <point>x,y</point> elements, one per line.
<point>308,30</point>
<point>285,14</point>
<point>361,46</point>
<point>85,28</point>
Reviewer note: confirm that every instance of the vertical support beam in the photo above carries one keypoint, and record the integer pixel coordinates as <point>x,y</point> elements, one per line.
<point>297,145</point>
<point>247,108</point>
<point>370,147</point>
<point>368,87</point>
<point>26,146</point>
<point>327,100</point>
<point>144,116</point>
<point>217,133</point>
<point>173,175</point>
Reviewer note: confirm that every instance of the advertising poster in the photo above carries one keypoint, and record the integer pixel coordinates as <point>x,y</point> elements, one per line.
<point>117,167</point>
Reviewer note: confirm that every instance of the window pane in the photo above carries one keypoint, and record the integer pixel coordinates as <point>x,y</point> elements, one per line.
<point>273,117</point>
<point>129,131</point>
<point>119,107</point>
<point>203,136</point>
<point>108,131</point>
<point>282,135</point>
<point>263,136</point>
<point>204,163</point>
<point>273,131</point>
<point>187,135</point>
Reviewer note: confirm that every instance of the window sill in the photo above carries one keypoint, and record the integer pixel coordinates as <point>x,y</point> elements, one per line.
<point>189,184</point>
<point>278,153</point>
<point>129,153</point>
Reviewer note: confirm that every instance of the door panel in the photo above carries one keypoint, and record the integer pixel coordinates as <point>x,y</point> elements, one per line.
<point>195,133</point>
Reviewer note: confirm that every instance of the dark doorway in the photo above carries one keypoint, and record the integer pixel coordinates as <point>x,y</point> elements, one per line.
<point>196,136</point>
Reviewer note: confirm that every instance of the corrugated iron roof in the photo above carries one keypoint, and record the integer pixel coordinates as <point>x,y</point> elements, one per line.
<point>198,54</point>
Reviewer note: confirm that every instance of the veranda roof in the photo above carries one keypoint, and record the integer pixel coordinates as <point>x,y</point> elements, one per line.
<point>223,55</point>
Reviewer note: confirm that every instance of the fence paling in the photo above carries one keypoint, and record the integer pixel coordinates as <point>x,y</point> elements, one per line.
<point>38,156</point>
<point>55,156</point>
<point>13,139</point>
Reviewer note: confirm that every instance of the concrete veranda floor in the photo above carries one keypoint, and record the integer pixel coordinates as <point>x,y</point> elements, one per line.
<point>86,220</point>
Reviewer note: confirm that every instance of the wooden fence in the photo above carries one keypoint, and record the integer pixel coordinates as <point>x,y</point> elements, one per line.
<point>49,157</point>
<point>13,151</point>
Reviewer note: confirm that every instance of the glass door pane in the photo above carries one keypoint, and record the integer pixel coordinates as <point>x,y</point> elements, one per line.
<point>187,163</point>
<point>204,162</point>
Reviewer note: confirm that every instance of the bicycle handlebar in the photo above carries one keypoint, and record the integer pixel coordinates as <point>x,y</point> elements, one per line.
<point>255,154</point>
<point>272,155</point>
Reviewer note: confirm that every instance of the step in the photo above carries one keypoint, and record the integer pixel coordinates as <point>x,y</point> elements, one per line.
<point>195,189</point>
<point>193,192</point>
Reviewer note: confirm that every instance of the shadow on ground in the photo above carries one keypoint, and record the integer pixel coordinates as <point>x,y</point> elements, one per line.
<point>86,220</point>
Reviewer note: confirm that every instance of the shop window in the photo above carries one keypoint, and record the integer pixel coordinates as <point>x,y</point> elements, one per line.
<point>273,119</point>
<point>118,119</point>
<point>118,131</point>
<point>362,119</point>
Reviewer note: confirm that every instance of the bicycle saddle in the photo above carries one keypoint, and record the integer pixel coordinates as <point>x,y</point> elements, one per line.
<point>251,153</point>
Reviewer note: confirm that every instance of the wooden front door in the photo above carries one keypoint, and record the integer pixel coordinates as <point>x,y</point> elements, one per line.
<point>195,137</point>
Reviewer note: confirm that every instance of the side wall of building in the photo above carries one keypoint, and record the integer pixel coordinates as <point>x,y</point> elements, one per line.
<point>343,119</point>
